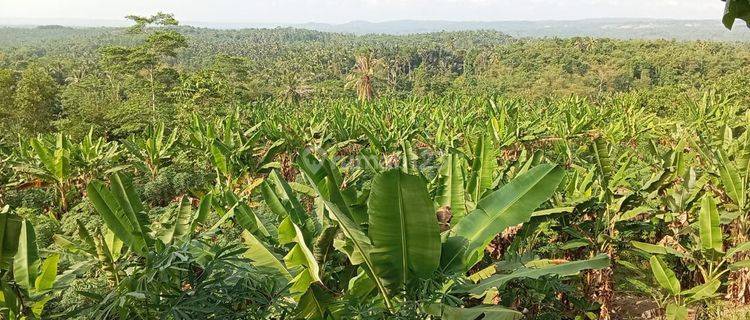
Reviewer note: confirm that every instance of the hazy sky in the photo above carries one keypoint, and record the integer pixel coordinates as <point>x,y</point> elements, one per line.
<point>289,11</point>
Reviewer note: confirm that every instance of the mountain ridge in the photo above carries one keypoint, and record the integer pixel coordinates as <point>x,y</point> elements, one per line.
<point>621,28</point>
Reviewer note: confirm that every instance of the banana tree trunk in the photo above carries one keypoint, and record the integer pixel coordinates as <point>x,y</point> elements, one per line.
<point>63,190</point>
<point>738,289</point>
<point>600,288</point>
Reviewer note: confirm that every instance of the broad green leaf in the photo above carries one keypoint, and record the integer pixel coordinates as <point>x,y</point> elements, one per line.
<point>204,208</point>
<point>656,249</point>
<point>324,177</point>
<point>403,226</point>
<point>565,269</point>
<point>9,299</point>
<point>10,231</point>
<point>314,304</point>
<point>743,264</point>
<point>509,206</point>
<point>731,180</point>
<point>706,290</point>
<point>26,261</point>
<point>107,207</point>
<point>47,278</point>
<point>244,215</point>
<point>361,285</point>
<point>105,257</point>
<point>43,153</point>
<point>270,152</point>
<point>737,249</point>
<point>219,153</point>
<point>709,225</point>
<point>450,188</point>
<point>300,258</point>
<point>630,214</point>
<point>114,244</point>
<point>248,219</point>
<point>281,200</point>
<point>323,244</point>
<point>483,274</point>
<point>122,212</point>
<point>261,257</point>
<point>62,159</point>
<point>551,211</point>
<point>37,307</point>
<point>182,221</point>
<point>408,159</point>
<point>483,167</point>
<point>128,199</point>
<point>664,276</point>
<point>88,240</point>
<point>361,245</point>
<point>603,162</point>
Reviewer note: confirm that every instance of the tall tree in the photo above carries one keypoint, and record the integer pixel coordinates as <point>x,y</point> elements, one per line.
<point>35,100</point>
<point>147,64</point>
<point>363,76</point>
<point>8,81</point>
<point>293,85</point>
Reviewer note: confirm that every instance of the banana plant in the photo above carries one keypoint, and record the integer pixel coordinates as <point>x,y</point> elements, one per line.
<point>96,157</point>
<point>50,165</point>
<point>728,156</point>
<point>705,251</point>
<point>394,240</point>
<point>605,198</point>
<point>125,215</point>
<point>128,238</point>
<point>28,281</point>
<point>678,300</point>
<point>231,207</point>
<point>235,154</point>
<point>153,150</point>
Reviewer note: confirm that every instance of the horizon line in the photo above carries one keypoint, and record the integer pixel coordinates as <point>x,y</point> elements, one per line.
<point>124,21</point>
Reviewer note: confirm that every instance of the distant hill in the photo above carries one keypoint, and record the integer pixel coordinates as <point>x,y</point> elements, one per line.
<point>609,28</point>
<point>619,28</point>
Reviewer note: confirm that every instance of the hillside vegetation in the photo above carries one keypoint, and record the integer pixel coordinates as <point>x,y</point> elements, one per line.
<point>167,172</point>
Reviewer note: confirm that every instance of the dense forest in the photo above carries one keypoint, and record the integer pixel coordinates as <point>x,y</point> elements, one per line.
<point>171,172</point>
<point>120,81</point>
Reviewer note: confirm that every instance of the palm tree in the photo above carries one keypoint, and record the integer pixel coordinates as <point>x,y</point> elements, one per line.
<point>362,76</point>
<point>294,86</point>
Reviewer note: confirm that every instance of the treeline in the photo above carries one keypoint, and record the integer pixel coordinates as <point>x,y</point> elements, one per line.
<point>121,80</point>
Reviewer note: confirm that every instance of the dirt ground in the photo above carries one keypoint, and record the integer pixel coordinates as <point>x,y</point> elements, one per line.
<point>632,307</point>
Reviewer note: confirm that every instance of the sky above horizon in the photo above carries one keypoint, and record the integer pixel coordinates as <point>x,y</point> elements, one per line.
<point>338,11</point>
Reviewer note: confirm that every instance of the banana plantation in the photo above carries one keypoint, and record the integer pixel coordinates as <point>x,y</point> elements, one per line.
<point>440,209</point>
<point>339,177</point>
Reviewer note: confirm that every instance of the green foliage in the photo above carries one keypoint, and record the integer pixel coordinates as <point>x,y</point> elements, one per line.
<point>35,103</point>
<point>513,204</point>
<point>402,225</point>
<point>736,9</point>
<point>477,176</point>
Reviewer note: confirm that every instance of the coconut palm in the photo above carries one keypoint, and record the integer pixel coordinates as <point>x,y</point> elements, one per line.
<point>362,76</point>
<point>294,87</point>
